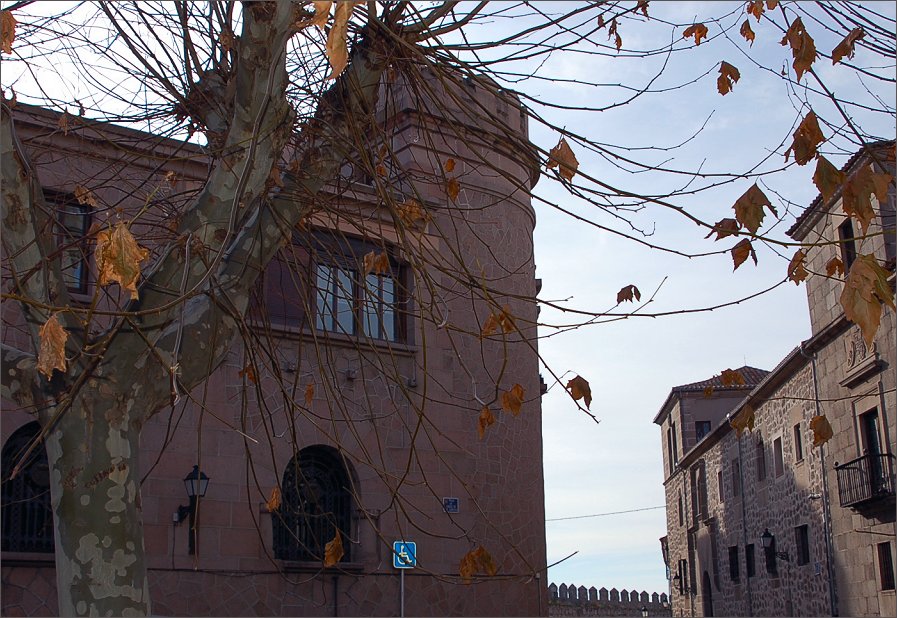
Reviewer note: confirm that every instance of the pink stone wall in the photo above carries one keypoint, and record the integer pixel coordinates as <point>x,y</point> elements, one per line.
<point>402,464</point>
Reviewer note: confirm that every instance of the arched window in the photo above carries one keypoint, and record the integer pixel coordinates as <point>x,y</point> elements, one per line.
<point>315,503</point>
<point>27,517</point>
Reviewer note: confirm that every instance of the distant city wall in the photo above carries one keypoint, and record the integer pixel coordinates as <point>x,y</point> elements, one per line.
<point>568,600</point>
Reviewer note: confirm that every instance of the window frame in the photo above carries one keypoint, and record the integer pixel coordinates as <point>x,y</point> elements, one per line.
<point>71,240</point>
<point>317,285</point>
<point>298,534</point>
<point>702,430</point>
<point>885,566</point>
<point>760,460</point>
<point>802,544</point>
<point>750,564</point>
<point>778,457</point>
<point>27,513</point>
<point>734,564</point>
<point>797,435</point>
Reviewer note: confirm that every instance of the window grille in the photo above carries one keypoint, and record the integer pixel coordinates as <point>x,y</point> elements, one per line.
<point>27,517</point>
<point>315,503</point>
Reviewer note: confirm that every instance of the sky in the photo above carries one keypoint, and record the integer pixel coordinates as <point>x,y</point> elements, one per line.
<point>603,482</point>
<point>604,496</point>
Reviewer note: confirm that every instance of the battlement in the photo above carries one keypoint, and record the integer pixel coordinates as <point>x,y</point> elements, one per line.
<point>569,600</point>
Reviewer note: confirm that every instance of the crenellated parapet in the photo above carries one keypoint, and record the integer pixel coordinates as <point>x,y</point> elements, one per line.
<point>570,600</point>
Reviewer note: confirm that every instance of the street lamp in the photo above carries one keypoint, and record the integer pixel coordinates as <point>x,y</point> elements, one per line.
<point>196,483</point>
<point>768,541</point>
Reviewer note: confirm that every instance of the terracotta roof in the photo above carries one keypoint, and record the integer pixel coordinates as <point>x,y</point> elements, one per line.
<point>815,204</point>
<point>752,377</point>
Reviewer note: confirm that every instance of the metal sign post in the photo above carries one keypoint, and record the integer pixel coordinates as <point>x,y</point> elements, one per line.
<point>404,556</point>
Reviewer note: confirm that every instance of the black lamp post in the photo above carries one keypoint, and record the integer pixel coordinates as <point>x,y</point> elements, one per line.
<point>196,483</point>
<point>768,541</point>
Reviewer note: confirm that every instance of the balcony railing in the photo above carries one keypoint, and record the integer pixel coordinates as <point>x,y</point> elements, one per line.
<point>866,478</point>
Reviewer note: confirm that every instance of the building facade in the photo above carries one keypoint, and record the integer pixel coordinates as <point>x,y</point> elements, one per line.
<point>360,401</point>
<point>760,519</point>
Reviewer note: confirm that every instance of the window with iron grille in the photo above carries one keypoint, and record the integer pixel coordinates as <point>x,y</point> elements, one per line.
<point>27,517</point>
<point>885,566</point>
<point>315,504</point>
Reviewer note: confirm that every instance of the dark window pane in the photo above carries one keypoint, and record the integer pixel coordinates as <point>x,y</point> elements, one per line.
<point>885,566</point>
<point>27,518</point>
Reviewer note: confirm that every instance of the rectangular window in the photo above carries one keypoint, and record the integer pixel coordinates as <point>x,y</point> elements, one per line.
<point>736,478</point>
<point>319,282</point>
<point>675,446</point>
<point>749,560</point>
<point>680,508</point>
<point>670,453</point>
<point>733,563</point>
<point>798,444</point>
<point>778,460</point>
<point>760,459</point>
<point>848,244</point>
<point>73,222</point>
<point>699,491</point>
<point>683,576</point>
<point>702,428</point>
<point>719,484</point>
<point>885,566</point>
<point>802,544</point>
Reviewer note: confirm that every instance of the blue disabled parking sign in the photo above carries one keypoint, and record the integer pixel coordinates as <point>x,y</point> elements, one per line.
<point>404,555</point>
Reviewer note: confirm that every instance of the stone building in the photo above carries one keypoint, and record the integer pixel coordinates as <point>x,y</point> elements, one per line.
<point>376,469</point>
<point>760,521</point>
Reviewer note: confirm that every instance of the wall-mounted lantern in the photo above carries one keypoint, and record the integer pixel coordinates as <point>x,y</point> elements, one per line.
<point>196,483</point>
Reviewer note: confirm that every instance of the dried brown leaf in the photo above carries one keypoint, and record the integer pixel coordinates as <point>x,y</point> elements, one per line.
<point>827,178</point>
<point>866,289</point>
<point>86,197</point>
<point>512,400</point>
<point>449,165</point>
<point>249,373</point>
<point>723,228</point>
<point>698,31</point>
<point>796,270</point>
<point>747,33</point>
<point>273,503</point>
<point>333,550</point>
<point>452,188</point>
<point>579,389</point>
<point>845,47</point>
<point>51,354</point>
<point>377,263</point>
<point>803,48</point>
<point>7,31</point>
<point>743,419</point>
<point>834,266</point>
<point>728,75</point>
<point>732,377</point>
<point>485,420</point>
<point>755,8</point>
<point>807,137</point>
<point>749,208</point>
<point>562,157</point>
<point>309,393</point>
<point>628,293</point>
<point>822,430</point>
<point>410,212</point>
<point>118,258</point>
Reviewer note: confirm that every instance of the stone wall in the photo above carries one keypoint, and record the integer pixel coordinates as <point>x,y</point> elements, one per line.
<point>568,600</point>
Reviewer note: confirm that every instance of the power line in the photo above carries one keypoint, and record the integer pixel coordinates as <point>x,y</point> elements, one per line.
<point>647,508</point>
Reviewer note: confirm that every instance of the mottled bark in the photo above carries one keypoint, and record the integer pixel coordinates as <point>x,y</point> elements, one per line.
<point>93,421</point>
